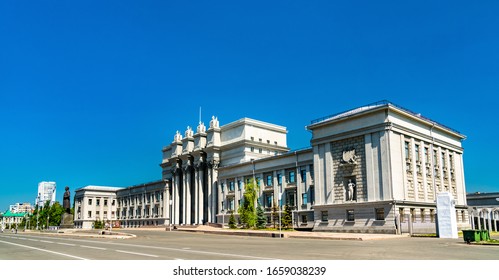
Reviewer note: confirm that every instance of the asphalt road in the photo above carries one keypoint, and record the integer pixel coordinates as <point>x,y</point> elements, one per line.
<point>163,245</point>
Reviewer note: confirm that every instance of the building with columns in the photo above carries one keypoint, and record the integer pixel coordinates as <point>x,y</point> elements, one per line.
<point>143,205</point>
<point>373,169</point>
<point>484,210</point>
<point>191,164</point>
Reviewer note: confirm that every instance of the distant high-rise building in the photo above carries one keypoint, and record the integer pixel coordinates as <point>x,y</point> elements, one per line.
<point>46,192</point>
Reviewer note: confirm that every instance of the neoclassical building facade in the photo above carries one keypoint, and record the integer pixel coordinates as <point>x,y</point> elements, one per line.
<point>377,168</point>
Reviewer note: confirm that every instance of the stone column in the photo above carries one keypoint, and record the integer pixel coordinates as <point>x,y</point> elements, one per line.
<point>187,197</point>
<point>479,220</point>
<point>301,187</point>
<point>176,200</point>
<point>196,194</point>
<point>494,223</point>
<point>489,216</point>
<point>210,193</point>
<point>201,185</point>
<point>166,204</point>
<point>214,194</point>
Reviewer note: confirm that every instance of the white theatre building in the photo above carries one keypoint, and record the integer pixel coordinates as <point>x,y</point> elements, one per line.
<point>376,168</point>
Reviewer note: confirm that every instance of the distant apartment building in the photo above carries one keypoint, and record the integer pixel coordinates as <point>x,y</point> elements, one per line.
<point>46,192</point>
<point>22,208</point>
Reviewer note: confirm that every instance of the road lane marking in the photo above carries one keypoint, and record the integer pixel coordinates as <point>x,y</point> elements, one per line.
<point>67,244</point>
<point>164,248</point>
<point>43,250</point>
<point>91,247</point>
<point>32,239</point>
<point>45,241</point>
<point>140,254</point>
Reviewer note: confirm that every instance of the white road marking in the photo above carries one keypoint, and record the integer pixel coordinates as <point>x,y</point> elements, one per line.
<point>45,241</point>
<point>67,244</point>
<point>91,247</point>
<point>43,250</point>
<point>164,248</point>
<point>140,254</point>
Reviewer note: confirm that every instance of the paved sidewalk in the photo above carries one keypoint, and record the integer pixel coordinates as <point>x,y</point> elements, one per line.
<point>293,234</point>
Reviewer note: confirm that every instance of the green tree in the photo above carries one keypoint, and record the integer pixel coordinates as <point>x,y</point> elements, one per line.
<point>261,220</point>
<point>247,211</point>
<point>55,214</point>
<point>287,218</point>
<point>232,221</point>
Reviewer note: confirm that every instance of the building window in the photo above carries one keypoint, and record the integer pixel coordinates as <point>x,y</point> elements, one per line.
<point>304,198</point>
<point>279,179</point>
<point>97,214</point>
<point>90,214</point>
<point>252,149</point>
<point>268,200</point>
<point>260,150</point>
<point>113,203</point>
<point>402,215</point>
<point>427,154</point>
<point>97,202</point>
<point>407,151</point>
<point>231,186</point>
<point>324,216</point>
<point>380,214</point>
<point>463,216</point>
<point>432,215</point>
<point>269,180</point>
<point>291,177</point>
<point>252,138</point>
<point>239,184</point>
<point>89,201</point>
<point>416,150</point>
<point>413,215</point>
<point>304,219</point>
<point>290,198</point>
<point>105,202</point>
<point>303,175</point>
<point>443,160</point>
<point>423,218</point>
<point>222,186</point>
<point>350,215</point>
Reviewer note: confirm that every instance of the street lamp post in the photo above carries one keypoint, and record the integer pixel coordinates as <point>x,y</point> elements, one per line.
<point>280,210</point>
<point>171,208</point>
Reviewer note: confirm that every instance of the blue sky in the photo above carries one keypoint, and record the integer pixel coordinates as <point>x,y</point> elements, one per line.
<point>90,91</point>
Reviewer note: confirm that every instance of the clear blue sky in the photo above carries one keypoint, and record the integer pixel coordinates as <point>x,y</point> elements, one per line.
<point>90,91</point>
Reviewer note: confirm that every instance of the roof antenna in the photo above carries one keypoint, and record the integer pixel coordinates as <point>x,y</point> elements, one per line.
<point>200,114</point>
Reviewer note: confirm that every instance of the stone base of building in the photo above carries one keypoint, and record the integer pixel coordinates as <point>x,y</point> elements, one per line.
<point>67,221</point>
